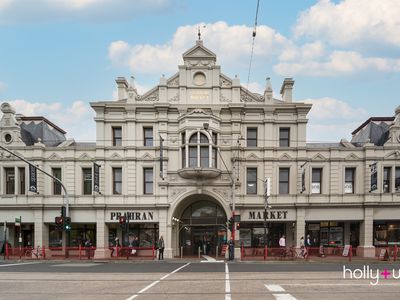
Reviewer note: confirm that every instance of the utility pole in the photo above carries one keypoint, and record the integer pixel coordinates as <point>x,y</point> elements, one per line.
<point>267,193</point>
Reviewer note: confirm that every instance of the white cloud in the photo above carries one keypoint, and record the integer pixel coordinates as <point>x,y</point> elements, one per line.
<point>332,119</point>
<point>338,63</point>
<point>352,22</point>
<point>219,37</point>
<point>2,86</point>
<point>76,119</point>
<point>15,11</point>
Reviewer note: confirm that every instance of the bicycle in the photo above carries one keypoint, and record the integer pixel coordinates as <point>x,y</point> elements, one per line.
<point>33,252</point>
<point>290,253</point>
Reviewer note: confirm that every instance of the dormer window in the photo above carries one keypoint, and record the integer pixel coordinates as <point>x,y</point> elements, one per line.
<point>200,150</point>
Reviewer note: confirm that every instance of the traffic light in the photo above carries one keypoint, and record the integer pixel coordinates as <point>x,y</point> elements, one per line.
<point>63,211</point>
<point>122,221</point>
<point>67,224</point>
<point>237,226</point>
<point>59,223</point>
<point>230,224</point>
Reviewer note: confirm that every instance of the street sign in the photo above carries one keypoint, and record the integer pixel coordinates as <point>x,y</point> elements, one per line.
<point>17,221</point>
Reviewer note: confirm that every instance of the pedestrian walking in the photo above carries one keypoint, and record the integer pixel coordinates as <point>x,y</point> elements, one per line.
<point>282,245</point>
<point>231,249</point>
<point>88,246</point>
<point>161,246</point>
<point>116,246</point>
<point>308,241</point>
<point>303,248</point>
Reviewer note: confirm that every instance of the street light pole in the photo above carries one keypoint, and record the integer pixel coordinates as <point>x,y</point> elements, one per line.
<point>267,193</point>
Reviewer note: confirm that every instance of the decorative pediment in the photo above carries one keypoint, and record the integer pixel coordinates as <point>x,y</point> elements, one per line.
<point>394,154</point>
<point>85,156</point>
<point>247,96</point>
<point>198,111</point>
<point>150,96</point>
<point>115,155</point>
<point>252,156</point>
<point>199,52</point>
<point>352,156</point>
<point>319,157</point>
<point>147,156</point>
<point>54,156</point>
<point>225,81</point>
<point>173,81</point>
<point>285,156</point>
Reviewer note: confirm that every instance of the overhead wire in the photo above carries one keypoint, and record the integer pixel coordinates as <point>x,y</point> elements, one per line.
<point>252,44</point>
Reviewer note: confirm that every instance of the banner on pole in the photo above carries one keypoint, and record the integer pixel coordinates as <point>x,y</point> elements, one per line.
<point>32,179</point>
<point>96,178</point>
<point>374,177</point>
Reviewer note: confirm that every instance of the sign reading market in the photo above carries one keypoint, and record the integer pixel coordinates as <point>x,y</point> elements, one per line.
<point>133,216</point>
<point>271,215</point>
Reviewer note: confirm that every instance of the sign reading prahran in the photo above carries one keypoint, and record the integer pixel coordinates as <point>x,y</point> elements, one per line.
<point>199,95</point>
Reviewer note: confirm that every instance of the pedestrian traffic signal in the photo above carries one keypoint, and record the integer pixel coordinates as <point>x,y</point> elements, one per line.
<point>67,224</point>
<point>63,212</point>
<point>237,226</point>
<point>122,221</point>
<point>59,223</point>
<point>230,224</point>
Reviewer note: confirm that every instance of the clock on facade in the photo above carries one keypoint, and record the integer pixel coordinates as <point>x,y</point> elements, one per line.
<point>199,79</point>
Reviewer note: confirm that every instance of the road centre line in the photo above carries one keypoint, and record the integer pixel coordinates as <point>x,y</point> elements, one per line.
<point>274,288</point>
<point>19,264</point>
<point>284,297</point>
<point>227,283</point>
<point>157,281</point>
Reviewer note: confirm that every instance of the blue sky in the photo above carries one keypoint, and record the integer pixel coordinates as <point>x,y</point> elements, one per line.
<point>57,56</point>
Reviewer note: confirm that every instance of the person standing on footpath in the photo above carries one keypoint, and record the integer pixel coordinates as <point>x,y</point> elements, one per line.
<point>282,245</point>
<point>231,249</point>
<point>161,246</point>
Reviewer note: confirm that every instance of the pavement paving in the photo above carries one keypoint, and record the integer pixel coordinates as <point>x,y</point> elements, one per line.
<point>195,280</point>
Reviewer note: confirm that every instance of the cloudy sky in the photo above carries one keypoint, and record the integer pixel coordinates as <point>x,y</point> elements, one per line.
<point>57,56</point>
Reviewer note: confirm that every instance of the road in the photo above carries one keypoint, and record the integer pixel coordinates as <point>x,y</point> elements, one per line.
<point>194,280</point>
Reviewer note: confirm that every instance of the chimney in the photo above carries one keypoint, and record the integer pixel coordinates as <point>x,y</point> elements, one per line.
<point>268,90</point>
<point>286,89</point>
<point>122,85</point>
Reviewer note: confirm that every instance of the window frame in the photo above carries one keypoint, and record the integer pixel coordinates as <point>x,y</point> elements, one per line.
<point>320,170</point>
<point>284,140</point>
<point>146,182</point>
<point>115,182</point>
<point>353,169</point>
<point>57,189</point>
<point>148,141</point>
<point>282,182</point>
<point>21,181</point>
<point>85,182</point>
<point>9,183</point>
<point>397,179</point>
<point>387,173</point>
<point>251,190</point>
<point>117,140</point>
<point>251,141</point>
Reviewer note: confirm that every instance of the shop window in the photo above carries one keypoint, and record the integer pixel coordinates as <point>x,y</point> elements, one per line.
<point>148,136</point>
<point>251,181</point>
<point>80,233</point>
<point>117,136</point>
<point>332,234</point>
<point>397,180</point>
<point>284,180</point>
<point>10,180</point>
<point>316,181</point>
<point>142,235</point>
<point>56,185</point>
<point>386,233</point>
<point>349,180</point>
<point>148,181</point>
<point>87,181</point>
<point>22,183</point>
<point>284,137</point>
<point>251,137</point>
<point>55,237</point>
<point>386,179</point>
<point>117,181</point>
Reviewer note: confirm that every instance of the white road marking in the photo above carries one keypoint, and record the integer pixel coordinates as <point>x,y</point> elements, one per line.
<point>274,288</point>
<point>155,282</point>
<point>19,264</point>
<point>76,265</point>
<point>227,283</point>
<point>284,297</point>
<point>209,258</point>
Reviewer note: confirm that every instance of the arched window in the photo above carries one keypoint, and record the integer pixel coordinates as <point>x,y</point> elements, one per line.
<point>200,150</point>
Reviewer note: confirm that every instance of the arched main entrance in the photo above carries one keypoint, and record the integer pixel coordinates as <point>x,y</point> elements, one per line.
<point>202,227</point>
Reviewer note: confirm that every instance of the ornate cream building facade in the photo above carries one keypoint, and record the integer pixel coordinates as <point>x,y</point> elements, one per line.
<point>176,159</point>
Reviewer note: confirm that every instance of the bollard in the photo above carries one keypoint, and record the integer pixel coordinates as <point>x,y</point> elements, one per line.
<point>199,251</point>
<point>181,252</point>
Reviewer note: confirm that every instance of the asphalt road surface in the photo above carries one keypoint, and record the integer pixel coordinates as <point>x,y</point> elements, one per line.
<point>195,280</point>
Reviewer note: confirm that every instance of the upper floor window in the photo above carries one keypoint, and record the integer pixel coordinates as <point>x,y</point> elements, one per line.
<point>10,180</point>
<point>284,137</point>
<point>251,137</point>
<point>397,180</point>
<point>56,185</point>
<point>148,136</point>
<point>316,180</point>
<point>117,181</point>
<point>251,184</point>
<point>21,174</point>
<point>87,181</point>
<point>284,180</point>
<point>386,179</point>
<point>349,175</point>
<point>201,153</point>
<point>148,181</point>
<point>117,136</point>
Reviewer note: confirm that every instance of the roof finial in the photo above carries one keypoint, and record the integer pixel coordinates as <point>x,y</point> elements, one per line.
<point>198,32</point>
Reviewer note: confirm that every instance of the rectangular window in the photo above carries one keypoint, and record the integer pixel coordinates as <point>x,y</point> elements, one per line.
<point>284,180</point>
<point>349,174</point>
<point>148,136</point>
<point>251,137</point>
<point>214,157</point>
<point>386,179</point>
<point>251,181</point>
<point>117,181</point>
<point>148,181</point>
<point>10,180</point>
<point>193,156</point>
<point>284,137</point>
<point>56,185</point>
<point>117,136</point>
<point>316,181</point>
<point>87,181</point>
<point>204,157</point>
<point>397,180</point>
<point>21,174</point>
